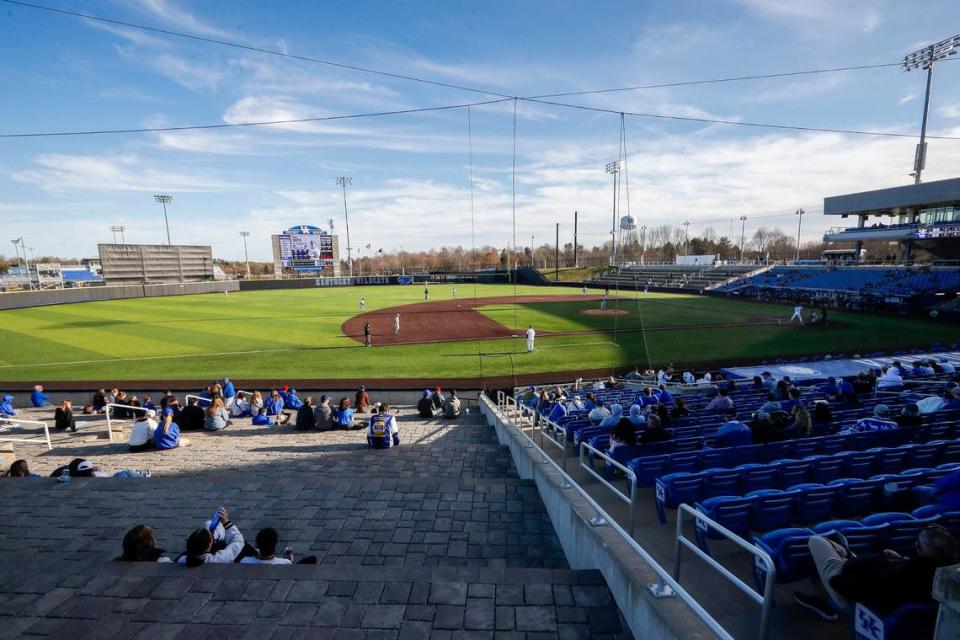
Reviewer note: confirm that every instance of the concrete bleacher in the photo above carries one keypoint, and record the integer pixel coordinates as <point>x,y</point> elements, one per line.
<point>669,277</point>
<point>438,537</point>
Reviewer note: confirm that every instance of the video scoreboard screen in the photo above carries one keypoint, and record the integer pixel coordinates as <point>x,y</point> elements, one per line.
<point>942,231</point>
<point>306,250</point>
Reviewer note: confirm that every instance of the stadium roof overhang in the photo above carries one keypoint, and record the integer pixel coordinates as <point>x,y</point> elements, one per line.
<point>895,200</point>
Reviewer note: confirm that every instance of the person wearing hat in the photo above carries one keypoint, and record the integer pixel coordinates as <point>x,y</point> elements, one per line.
<point>292,401</point>
<point>6,407</point>
<point>438,399</point>
<point>909,416</point>
<point>425,405</point>
<point>879,421</point>
<point>141,434</point>
<point>362,400</point>
<point>529,397</point>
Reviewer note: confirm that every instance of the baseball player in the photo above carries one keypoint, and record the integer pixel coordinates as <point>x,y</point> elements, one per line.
<point>603,302</point>
<point>454,293</point>
<point>396,325</point>
<point>797,314</point>
<point>531,335</point>
<point>363,305</point>
<point>367,333</point>
<point>426,292</point>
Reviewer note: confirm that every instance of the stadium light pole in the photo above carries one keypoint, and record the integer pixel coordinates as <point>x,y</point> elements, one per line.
<point>343,181</point>
<point>686,238</point>
<point>613,168</point>
<point>799,225</point>
<point>743,237</point>
<point>164,200</point>
<point>924,59</point>
<point>118,228</point>
<point>643,244</point>
<point>16,247</point>
<point>246,257</point>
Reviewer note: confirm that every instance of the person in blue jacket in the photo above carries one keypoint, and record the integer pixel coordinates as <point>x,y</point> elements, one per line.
<point>262,419</point>
<point>6,407</point>
<point>228,390</point>
<point>945,492</point>
<point>293,401</point>
<point>38,398</point>
<point>733,433</point>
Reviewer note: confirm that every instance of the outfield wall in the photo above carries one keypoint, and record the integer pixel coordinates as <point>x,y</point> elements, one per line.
<point>25,299</point>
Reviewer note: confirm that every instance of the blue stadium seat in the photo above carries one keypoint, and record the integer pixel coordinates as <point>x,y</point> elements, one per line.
<point>676,488</point>
<point>731,512</point>
<point>804,447</point>
<point>789,550</point>
<point>750,453</point>
<point>778,450</point>
<point>890,460</point>
<point>648,469</point>
<point>792,472</point>
<point>950,451</point>
<point>922,455</point>
<point>814,502</point>
<point>856,496</point>
<point>832,444</point>
<point>825,468</point>
<point>754,477</point>
<point>857,464</point>
<point>721,482</point>
<point>721,457</point>
<point>773,509</point>
<point>901,535</point>
<point>908,622</point>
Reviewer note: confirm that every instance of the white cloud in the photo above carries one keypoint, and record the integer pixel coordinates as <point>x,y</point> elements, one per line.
<point>907,98</point>
<point>196,76</point>
<point>173,14</point>
<point>58,172</point>
<point>674,39</point>
<point>820,14</point>
<point>951,111</point>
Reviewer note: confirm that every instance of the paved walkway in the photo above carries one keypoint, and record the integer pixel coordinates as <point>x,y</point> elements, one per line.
<point>437,538</point>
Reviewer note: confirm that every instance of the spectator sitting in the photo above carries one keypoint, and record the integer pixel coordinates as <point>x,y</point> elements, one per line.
<point>634,375</point>
<point>323,413</point>
<point>543,403</point>
<point>946,366</point>
<point>679,409</point>
<point>529,396</point>
<point>148,403</point>
<point>275,406</point>
<point>598,413</point>
<point>952,400</point>
<point>167,435</point>
<point>381,430</point>
<point>240,407</point>
<point>802,420</point>
<point>666,398</point>
<point>438,399</point>
<point>305,420</point>
<point>200,544</point>
<point>880,581</point>
<point>688,377</point>
<point>262,419</point>
<point>362,400</point>
<point>830,388</point>
<point>909,416</point>
<point>589,402</point>
<point>425,405</point>
<point>769,382</point>
<point>612,420</point>
<point>451,408</point>
<point>613,384</point>
<point>864,383</point>
<point>227,390</point>
<point>636,417</point>
<point>782,390</point>
<point>793,399</point>
<point>770,405</point>
<point>267,540</point>
<point>80,468</point>
<point>19,469</point>
<point>945,492</point>
<point>6,407</point>
<point>624,434</point>
<point>722,402</point>
<point>647,397</point>
<point>292,401</point>
<point>191,417</point>
<point>38,398</point>
<point>890,380</point>
<point>821,417</point>
<point>216,417</point>
<point>880,421</point>
<point>654,431</point>
<point>848,394</point>
<point>141,434</point>
<point>558,411</point>
<point>99,400</point>
<point>256,402</point>
<point>769,427</point>
<point>140,545</point>
<point>345,414</point>
<point>733,433</point>
<point>63,419</point>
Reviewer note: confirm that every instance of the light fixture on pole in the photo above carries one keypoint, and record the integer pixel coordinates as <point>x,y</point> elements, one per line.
<point>686,238</point>
<point>16,247</point>
<point>643,244</point>
<point>118,228</point>
<point>743,237</point>
<point>924,59</point>
<point>246,258</point>
<point>164,200</point>
<point>343,181</point>
<point>800,213</point>
<point>613,168</point>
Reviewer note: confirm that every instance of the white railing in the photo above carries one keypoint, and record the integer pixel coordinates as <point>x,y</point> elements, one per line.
<point>200,399</point>
<point>666,586</point>
<point>18,422</point>
<point>112,405</point>
<point>765,599</point>
<point>630,499</point>
<point>553,433</point>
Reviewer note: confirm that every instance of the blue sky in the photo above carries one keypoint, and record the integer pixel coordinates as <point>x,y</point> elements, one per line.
<point>410,173</point>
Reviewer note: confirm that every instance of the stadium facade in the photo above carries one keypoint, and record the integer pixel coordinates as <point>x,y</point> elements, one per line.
<point>155,263</point>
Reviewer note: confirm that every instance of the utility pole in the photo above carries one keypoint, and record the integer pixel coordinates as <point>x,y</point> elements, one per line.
<point>799,224</point>
<point>343,181</point>
<point>743,227</point>
<point>556,258</point>
<point>576,256</point>
<point>246,258</point>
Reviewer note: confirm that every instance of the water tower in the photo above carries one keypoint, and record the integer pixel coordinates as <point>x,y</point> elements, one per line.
<point>628,235</point>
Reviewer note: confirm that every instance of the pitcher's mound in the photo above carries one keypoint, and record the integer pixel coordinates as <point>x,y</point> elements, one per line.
<point>604,312</point>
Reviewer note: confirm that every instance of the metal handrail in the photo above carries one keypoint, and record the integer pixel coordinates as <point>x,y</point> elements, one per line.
<point>202,399</point>
<point>106,411</point>
<point>548,425</point>
<point>765,600</point>
<point>666,586</point>
<point>631,499</point>
<point>17,421</point>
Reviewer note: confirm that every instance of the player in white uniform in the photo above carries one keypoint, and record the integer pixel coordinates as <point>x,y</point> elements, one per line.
<point>797,314</point>
<point>531,335</point>
<point>363,305</point>
<point>454,293</point>
<point>396,325</point>
<point>603,302</point>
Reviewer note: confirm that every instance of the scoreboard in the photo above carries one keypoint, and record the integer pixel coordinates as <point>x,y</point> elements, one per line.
<point>313,248</point>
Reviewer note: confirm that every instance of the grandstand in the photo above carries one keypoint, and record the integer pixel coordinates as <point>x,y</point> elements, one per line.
<point>669,277</point>
<point>893,286</point>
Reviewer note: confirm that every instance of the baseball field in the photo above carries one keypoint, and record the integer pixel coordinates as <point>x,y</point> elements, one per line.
<point>317,335</point>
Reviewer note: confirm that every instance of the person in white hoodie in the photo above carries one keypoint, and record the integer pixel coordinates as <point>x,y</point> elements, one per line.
<point>142,432</point>
<point>890,380</point>
<point>200,544</point>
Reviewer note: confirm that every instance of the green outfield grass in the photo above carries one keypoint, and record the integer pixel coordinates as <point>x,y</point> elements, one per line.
<point>295,334</point>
